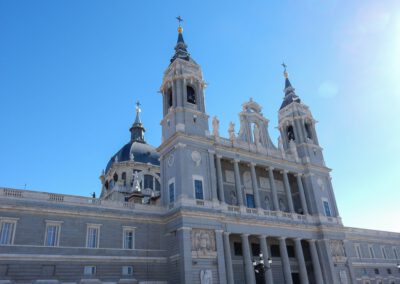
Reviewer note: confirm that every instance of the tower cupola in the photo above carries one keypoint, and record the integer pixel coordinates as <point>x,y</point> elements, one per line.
<point>290,95</point>
<point>137,130</point>
<point>180,47</point>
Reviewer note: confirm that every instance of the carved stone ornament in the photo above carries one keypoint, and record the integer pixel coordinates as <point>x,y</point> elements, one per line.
<point>206,276</point>
<point>337,248</point>
<point>196,157</point>
<point>203,243</point>
<point>170,160</point>
<point>320,184</point>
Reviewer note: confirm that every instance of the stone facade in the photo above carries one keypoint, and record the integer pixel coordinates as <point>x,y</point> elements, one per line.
<point>200,208</point>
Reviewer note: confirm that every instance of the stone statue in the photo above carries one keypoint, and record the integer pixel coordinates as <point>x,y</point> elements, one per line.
<point>282,205</point>
<point>131,156</point>
<point>256,133</point>
<point>280,146</point>
<point>267,203</point>
<point>215,124</point>
<point>206,276</point>
<point>233,198</point>
<point>231,131</point>
<point>116,159</point>
<point>136,182</point>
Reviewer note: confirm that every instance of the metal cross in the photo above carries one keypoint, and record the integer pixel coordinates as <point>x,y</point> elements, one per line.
<point>179,20</point>
<point>284,66</point>
<point>138,106</point>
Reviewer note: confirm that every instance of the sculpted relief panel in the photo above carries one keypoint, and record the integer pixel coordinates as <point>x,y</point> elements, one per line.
<point>203,243</point>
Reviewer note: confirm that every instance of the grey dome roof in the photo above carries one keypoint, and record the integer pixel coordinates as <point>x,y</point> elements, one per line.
<point>142,152</point>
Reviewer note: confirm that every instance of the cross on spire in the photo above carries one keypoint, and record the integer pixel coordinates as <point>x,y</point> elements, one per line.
<point>284,66</point>
<point>138,106</point>
<point>179,18</point>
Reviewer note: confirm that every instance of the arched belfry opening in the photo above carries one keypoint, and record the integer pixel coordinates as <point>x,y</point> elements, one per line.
<point>191,95</point>
<point>307,127</point>
<point>169,97</point>
<point>290,133</point>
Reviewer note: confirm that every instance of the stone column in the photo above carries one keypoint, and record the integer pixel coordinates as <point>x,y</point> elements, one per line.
<point>185,251</point>
<point>255,186</point>
<point>273,188</point>
<point>220,256</point>
<point>264,249</point>
<point>303,127</point>
<point>315,262</point>
<point>213,178</point>
<point>300,260</point>
<point>302,195</point>
<point>288,191</point>
<point>228,259</point>
<point>287,273</point>
<point>219,178</point>
<point>248,264</point>
<point>300,136</point>
<point>238,183</point>
<point>314,133</point>
<point>180,93</point>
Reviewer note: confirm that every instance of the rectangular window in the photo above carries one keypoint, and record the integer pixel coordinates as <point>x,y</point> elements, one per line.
<point>389,271</point>
<point>148,181</point>
<point>7,230</point>
<point>376,270</point>
<point>255,249</point>
<point>237,247</point>
<point>52,233</point>
<point>93,234</point>
<point>290,251</point>
<point>198,189</point>
<point>327,208</point>
<point>171,189</point>
<point>275,251</point>
<point>89,270</point>
<point>127,270</point>
<point>250,201</point>
<point>129,237</point>
<point>371,252</point>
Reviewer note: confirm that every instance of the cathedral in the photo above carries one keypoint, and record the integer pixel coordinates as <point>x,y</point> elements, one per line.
<point>199,208</point>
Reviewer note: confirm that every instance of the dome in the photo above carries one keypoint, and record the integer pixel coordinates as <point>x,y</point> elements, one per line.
<point>142,153</point>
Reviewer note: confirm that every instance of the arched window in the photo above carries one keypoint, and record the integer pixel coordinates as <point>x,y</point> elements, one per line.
<point>115,177</point>
<point>151,182</point>
<point>106,184</point>
<point>191,95</point>
<point>308,130</point>
<point>290,133</point>
<point>169,97</point>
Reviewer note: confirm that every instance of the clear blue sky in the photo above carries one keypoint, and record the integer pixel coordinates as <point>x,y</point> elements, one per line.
<point>70,72</point>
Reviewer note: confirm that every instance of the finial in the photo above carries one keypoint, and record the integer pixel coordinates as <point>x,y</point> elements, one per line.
<point>285,73</point>
<point>180,29</point>
<point>138,110</point>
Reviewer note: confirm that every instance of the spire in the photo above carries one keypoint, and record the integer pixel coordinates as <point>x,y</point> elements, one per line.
<point>290,95</point>
<point>180,47</point>
<point>137,130</point>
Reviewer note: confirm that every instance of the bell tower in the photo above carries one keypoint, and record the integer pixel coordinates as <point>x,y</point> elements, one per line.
<point>299,138</point>
<point>297,127</point>
<point>186,154</point>
<point>182,90</point>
